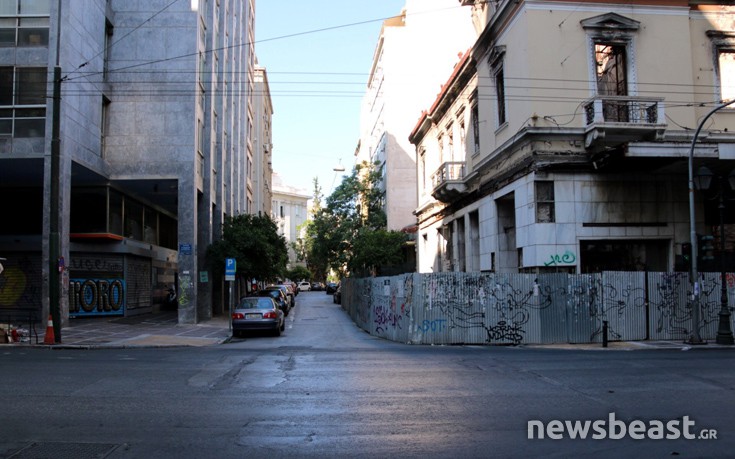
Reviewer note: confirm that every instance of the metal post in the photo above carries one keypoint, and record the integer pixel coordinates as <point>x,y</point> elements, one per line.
<point>54,239</point>
<point>724,334</point>
<point>230,308</point>
<point>694,338</point>
<point>604,333</point>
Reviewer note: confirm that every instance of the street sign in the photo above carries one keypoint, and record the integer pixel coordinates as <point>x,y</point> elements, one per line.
<point>230,268</point>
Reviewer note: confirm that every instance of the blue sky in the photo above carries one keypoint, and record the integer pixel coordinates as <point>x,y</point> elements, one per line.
<point>317,81</point>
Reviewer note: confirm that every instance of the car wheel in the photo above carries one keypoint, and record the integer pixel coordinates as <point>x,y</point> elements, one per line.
<point>278,331</point>
<point>283,325</point>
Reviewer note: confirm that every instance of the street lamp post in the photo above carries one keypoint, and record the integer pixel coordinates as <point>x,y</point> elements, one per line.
<point>704,178</point>
<point>694,337</point>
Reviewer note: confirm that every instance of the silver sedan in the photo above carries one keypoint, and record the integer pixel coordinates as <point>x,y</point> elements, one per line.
<point>258,313</point>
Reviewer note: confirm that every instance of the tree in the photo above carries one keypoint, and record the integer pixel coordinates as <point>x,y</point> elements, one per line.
<point>374,249</point>
<point>254,242</point>
<point>298,273</point>
<point>349,233</point>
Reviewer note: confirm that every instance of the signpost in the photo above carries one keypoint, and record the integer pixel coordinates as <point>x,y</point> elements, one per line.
<point>230,268</point>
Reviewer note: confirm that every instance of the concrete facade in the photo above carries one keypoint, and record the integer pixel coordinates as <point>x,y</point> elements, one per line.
<point>156,112</point>
<point>263,144</point>
<point>559,170</point>
<point>412,59</point>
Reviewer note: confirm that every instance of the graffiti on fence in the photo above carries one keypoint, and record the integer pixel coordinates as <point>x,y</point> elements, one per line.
<point>386,317</point>
<point>513,306</point>
<point>615,304</point>
<point>438,325</point>
<point>504,332</point>
<point>364,306</point>
<point>671,317</point>
<point>408,288</point>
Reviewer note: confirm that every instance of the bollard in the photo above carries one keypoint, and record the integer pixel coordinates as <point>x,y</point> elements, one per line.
<point>604,333</point>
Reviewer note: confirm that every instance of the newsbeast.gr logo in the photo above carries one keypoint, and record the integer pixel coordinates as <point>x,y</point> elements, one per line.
<point>616,429</point>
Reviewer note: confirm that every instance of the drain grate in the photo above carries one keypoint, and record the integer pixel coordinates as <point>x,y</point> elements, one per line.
<point>58,450</point>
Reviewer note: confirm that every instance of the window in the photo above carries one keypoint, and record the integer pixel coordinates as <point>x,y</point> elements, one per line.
<point>422,169</point>
<point>23,101</point>
<point>107,44</point>
<point>498,74</point>
<point>104,123</point>
<point>450,141</point>
<point>24,22</point>
<point>475,129</point>
<point>726,67</point>
<point>545,202</point>
<point>440,141</point>
<point>611,40</point>
<point>500,94</point>
<point>611,79</point>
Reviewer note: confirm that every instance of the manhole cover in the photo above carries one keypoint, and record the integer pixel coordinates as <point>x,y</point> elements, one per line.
<point>55,450</point>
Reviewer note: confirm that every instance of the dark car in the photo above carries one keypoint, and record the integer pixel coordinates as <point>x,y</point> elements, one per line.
<point>258,313</point>
<point>280,298</point>
<point>337,296</point>
<point>331,288</point>
<point>317,286</point>
<point>290,296</point>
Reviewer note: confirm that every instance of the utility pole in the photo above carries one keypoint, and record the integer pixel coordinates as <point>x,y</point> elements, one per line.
<point>54,258</point>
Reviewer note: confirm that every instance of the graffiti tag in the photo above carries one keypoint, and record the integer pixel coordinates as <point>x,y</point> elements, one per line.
<point>433,325</point>
<point>566,259</point>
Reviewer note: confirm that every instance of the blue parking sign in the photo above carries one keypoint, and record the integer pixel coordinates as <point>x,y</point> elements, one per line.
<point>230,268</point>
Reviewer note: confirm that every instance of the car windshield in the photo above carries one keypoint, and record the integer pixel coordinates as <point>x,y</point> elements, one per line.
<point>271,293</point>
<point>256,303</point>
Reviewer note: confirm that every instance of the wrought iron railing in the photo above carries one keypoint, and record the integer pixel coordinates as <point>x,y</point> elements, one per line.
<point>623,109</point>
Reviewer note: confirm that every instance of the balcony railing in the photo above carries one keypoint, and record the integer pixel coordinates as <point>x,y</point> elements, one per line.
<point>448,181</point>
<point>620,119</point>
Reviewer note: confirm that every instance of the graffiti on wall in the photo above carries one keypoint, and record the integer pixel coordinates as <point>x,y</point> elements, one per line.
<point>567,258</point>
<point>96,297</point>
<point>20,285</point>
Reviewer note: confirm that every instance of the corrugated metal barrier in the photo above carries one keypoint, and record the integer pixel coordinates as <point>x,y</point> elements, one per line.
<point>492,308</point>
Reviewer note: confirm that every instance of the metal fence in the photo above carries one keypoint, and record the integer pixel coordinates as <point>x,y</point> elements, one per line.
<point>491,308</point>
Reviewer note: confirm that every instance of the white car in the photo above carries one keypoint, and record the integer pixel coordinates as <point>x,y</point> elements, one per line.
<point>304,286</point>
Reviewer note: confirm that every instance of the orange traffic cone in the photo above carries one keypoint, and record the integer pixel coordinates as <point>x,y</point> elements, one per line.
<point>49,337</point>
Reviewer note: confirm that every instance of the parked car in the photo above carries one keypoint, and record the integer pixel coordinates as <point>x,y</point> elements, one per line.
<point>317,286</point>
<point>304,286</point>
<point>278,295</point>
<point>258,313</point>
<point>331,288</point>
<point>288,290</point>
<point>337,297</point>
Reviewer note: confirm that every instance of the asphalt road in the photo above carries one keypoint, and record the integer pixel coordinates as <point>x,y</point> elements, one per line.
<point>327,389</point>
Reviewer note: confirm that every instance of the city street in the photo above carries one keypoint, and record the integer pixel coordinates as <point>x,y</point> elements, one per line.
<point>327,389</point>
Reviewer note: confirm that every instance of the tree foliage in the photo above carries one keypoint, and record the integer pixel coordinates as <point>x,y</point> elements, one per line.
<point>298,273</point>
<point>349,233</point>
<point>254,242</point>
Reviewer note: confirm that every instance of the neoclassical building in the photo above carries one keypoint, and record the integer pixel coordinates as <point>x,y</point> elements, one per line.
<point>561,141</point>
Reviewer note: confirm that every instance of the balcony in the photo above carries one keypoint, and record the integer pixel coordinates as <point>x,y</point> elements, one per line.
<point>614,120</point>
<point>448,181</point>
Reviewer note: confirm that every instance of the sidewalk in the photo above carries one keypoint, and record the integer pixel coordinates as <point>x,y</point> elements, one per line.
<point>159,329</point>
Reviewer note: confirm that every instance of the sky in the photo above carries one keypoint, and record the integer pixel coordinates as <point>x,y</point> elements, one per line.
<point>317,79</point>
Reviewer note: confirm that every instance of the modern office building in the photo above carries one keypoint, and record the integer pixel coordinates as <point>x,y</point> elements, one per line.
<point>150,119</point>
